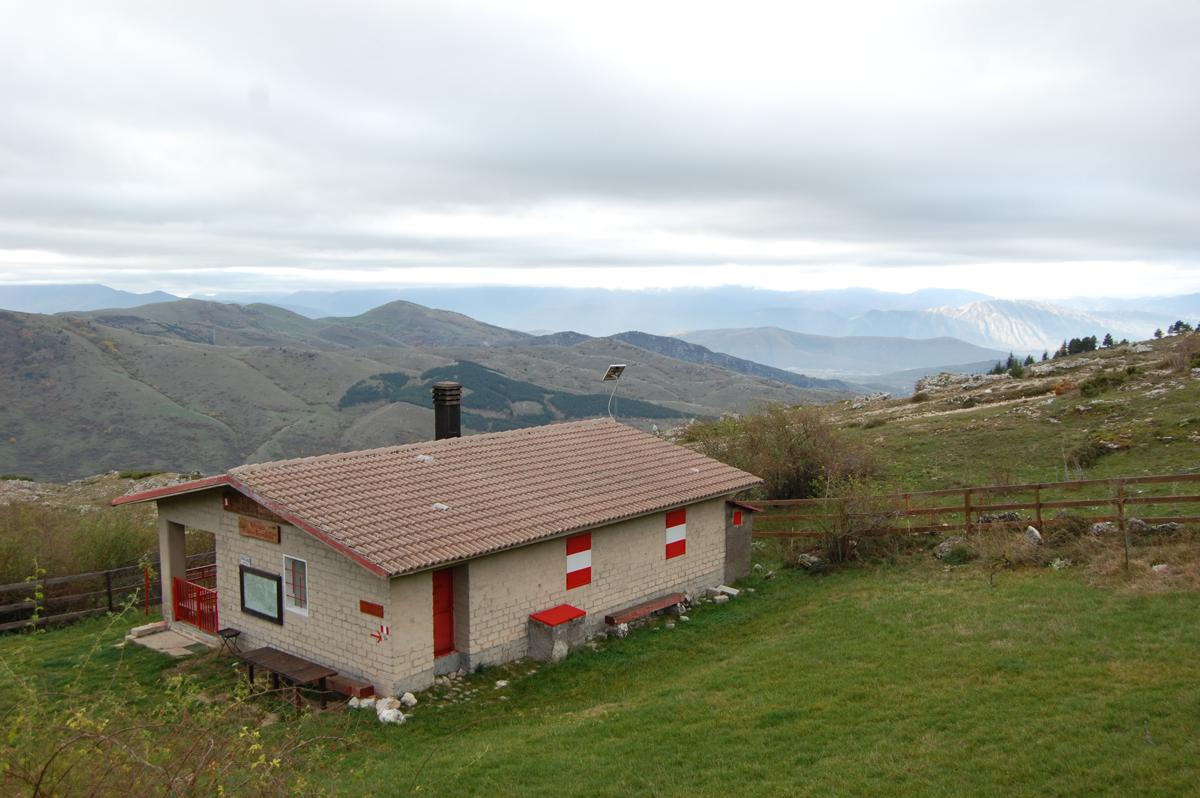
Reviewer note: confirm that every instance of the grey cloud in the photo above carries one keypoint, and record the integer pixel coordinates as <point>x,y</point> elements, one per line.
<point>259,134</point>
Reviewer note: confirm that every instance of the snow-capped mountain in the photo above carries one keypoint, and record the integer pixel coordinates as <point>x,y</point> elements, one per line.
<point>1023,325</point>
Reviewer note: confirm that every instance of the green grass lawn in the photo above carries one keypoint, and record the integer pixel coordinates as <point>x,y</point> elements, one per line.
<point>902,680</point>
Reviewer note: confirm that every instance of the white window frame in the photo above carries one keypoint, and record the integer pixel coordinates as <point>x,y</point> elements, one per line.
<point>288,601</point>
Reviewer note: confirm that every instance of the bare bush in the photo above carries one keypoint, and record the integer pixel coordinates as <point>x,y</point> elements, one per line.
<point>796,451</point>
<point>858,525</point>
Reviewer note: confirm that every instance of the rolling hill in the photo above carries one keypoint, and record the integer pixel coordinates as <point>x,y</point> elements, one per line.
<point>148,389</point>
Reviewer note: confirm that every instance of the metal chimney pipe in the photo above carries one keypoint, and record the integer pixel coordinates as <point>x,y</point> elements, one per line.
<point>447,397</point>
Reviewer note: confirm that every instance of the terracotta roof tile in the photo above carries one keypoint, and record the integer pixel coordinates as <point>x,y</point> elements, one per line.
<point>502,490</point>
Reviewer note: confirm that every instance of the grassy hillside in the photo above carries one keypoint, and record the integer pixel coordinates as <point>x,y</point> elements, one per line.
<point>899,680</point>
<point>1123,411</point>
<point>83,397</point>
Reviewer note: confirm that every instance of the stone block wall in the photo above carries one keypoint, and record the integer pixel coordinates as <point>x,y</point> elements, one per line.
<point>334,632</point>
<point>629,565</point>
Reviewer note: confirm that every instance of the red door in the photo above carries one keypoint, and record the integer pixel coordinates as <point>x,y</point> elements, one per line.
<point>443,612</point>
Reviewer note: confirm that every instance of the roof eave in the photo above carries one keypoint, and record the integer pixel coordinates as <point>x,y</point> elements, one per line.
<point>172,490</point>
<point>225,480</point>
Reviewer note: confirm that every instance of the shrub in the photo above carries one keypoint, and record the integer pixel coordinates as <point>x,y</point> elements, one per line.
<point>918,397</point>
<point>74,739</point>
<point>796,451</point>
<point>67,542</point>
<point>1100,383</point>
<point>872,423</point>
<point>960,554</point>
<point>1087,453</point>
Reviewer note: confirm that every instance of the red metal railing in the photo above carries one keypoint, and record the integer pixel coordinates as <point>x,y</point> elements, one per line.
<point>195,604</point>
<point>203,575</point>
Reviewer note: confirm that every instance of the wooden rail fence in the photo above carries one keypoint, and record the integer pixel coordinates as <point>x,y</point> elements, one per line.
<point>894,513</point>
<point>75,596</point>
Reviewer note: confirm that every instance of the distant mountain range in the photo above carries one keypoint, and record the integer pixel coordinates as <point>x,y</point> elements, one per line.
<point>850,356</point>
<point>1021,326</point>
<point>82,296</point>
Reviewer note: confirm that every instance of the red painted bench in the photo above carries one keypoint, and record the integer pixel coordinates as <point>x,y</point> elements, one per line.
<point>644,609</point>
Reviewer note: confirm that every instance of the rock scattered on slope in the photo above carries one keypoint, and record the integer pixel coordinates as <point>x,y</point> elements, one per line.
<point>987,518</point>
<point>942,550</point>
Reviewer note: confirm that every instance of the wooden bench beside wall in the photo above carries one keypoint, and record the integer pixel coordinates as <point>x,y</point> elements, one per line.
<point>644,609</point>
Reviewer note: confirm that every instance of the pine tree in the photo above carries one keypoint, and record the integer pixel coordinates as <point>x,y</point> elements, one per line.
<point>1045,355</point>
<point>1158,333</point>
<point>1028,360</point>
<point>1108,341</point>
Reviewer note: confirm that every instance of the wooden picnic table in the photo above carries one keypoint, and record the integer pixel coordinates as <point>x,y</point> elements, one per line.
<point>282,665</point>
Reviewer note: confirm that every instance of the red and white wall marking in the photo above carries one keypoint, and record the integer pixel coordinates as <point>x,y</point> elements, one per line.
<point>579,560</point>
<point>677,533</point>
<point>382,633</point>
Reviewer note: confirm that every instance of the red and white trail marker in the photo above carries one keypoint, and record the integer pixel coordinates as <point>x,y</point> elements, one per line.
<point>677,533</point>
<point>579,560</point>
<point>382,633</point>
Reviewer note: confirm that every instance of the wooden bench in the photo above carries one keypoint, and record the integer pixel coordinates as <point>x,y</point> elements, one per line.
<point>644,609</point>
<point>297,671</point>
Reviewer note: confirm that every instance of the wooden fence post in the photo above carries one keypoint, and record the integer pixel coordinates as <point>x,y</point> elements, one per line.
<point>108,589</point>
<point>1121,522</point>
<point>967,511</point>
<point>1037,505</point>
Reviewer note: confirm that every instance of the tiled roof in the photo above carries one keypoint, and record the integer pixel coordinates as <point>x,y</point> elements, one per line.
<point>407,508</point>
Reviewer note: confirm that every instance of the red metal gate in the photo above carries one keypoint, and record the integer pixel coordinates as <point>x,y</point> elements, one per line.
<point>195,604</point>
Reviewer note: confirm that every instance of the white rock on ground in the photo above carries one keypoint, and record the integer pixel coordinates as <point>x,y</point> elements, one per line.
<point>408,700</point>
<point>366,703</point>
<point>392,716</point>
<point>353,702</point>
<point>501,684</point>
<point>1033,536</point>
<point>720,598</point>
<point>1160,568</point>
<point>384,704</point>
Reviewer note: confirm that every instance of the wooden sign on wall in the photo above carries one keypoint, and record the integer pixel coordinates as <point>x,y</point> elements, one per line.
<point>259,530</point>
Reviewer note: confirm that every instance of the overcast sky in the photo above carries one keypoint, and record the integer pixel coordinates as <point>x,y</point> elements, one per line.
<point>1032,149</point>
